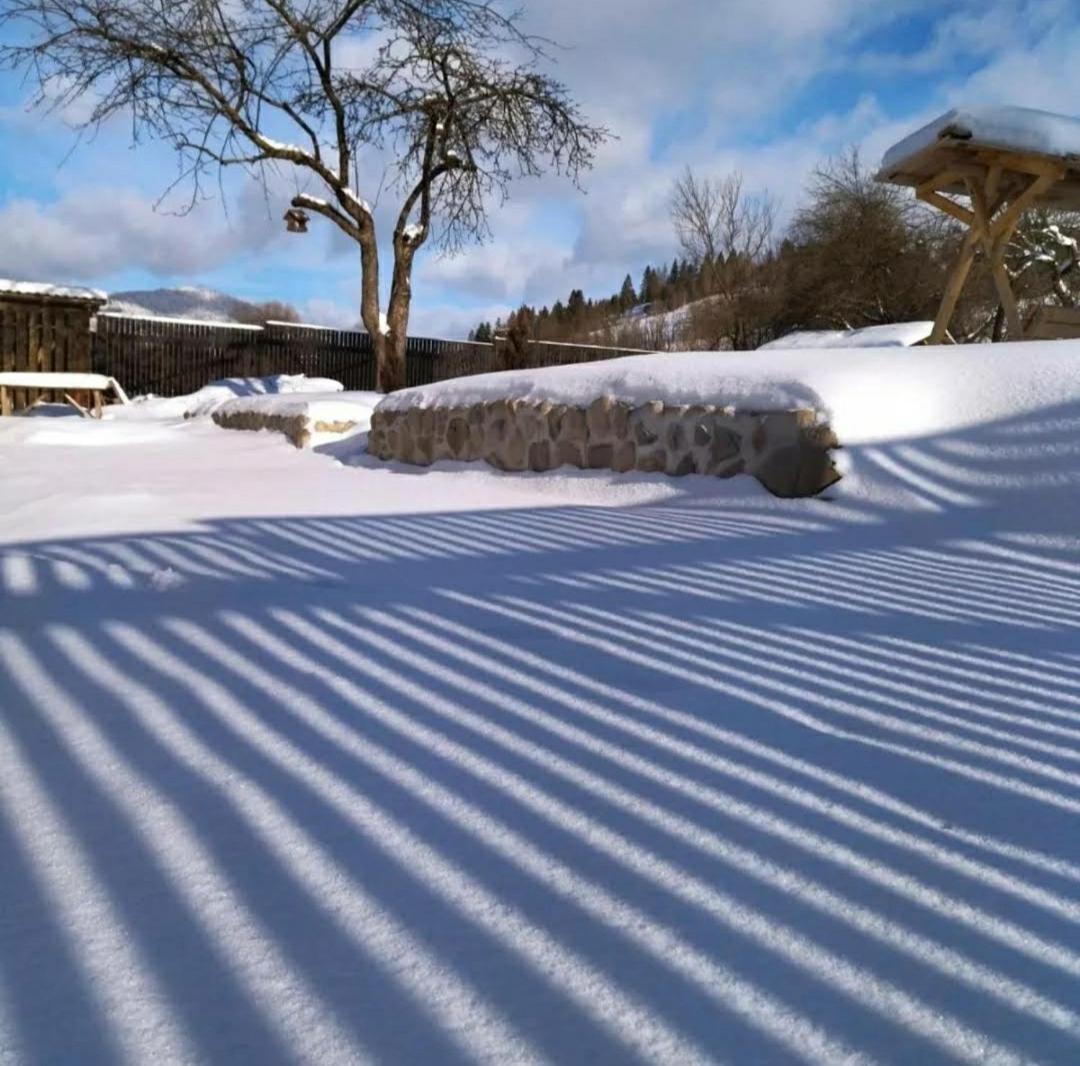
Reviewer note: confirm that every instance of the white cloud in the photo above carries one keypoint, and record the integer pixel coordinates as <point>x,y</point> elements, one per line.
<point>685,81</point>
<point>92,231</point>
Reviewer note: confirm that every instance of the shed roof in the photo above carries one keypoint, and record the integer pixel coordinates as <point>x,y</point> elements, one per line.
<point>36,290</point>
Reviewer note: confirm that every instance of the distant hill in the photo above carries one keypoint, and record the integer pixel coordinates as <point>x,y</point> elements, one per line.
<point>190,301</point>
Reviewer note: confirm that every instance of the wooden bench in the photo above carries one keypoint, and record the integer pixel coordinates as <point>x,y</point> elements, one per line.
<point>1053,324</point>
<point>45,381</point>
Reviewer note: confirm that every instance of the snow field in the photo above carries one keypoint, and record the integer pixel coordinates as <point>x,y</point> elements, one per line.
<point>308,758</point>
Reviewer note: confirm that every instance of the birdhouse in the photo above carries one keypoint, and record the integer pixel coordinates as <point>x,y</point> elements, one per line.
<point>296,220</point>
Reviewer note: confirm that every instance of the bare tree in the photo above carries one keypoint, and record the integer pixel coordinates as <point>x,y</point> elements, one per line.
<point>718,223</point>
<point>862,252</point>
<point>309,85</point>
<point>728,235</point>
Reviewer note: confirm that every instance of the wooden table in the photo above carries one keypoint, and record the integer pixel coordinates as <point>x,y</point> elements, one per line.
<point>46,381</point>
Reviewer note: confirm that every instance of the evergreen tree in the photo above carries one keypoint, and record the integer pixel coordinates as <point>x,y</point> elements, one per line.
<point>647,284</point>
<point>627,297</point>
<point>575,306</point>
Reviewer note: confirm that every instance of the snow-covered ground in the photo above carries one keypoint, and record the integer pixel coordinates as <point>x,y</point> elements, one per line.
<point>307,758</point>
<point>279,388</point>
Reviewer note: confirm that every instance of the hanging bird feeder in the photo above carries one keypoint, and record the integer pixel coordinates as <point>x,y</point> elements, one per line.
<point>296,221</point>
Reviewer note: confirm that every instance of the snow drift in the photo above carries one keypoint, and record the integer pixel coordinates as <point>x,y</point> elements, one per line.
<point>206,400</point>
<point>872,394</point>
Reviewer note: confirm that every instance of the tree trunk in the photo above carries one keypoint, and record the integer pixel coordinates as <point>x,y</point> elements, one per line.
<point>388,347</point>
<point>392,369</point>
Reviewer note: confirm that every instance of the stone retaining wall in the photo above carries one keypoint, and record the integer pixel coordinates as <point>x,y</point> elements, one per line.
<point>787,451</point>
<point>298,428</point>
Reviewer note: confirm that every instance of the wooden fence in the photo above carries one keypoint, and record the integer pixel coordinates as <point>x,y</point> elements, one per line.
<point>170,357</point>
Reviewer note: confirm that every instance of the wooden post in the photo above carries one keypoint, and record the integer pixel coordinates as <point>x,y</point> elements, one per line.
<point>5,400</point>
<point>953,288</point>
<point>987,228</point>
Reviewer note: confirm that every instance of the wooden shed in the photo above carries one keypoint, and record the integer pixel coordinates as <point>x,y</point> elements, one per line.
<point>45,328</point>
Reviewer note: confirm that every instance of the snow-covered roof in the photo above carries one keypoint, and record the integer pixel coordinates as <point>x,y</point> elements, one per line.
<point>42,290</point>
<point>1013,129</point>
<point>961,132</point>
<point>895,335</point>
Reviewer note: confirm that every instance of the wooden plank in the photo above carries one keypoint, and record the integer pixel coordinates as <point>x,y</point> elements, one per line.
<point>1049,322</point>
<point>954,286</point>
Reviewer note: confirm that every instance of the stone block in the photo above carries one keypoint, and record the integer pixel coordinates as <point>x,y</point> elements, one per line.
<point>625,457</point>
<point>513,452</point>
<point>646,422</point>
<point>598,418</point>
<point>600,456</point>
<point>457,437</point>
<point>569,453</point>
<point>723,446</point>
<point>541,455</point>
<point>682,466</point>
<point>572,425</point>
<point>620,420</point>
<point>652,460</point>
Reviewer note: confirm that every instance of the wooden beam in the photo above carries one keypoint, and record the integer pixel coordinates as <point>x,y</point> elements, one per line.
<point>5,400</point>
<point>1023,163</point>
<point>78,406</point>
<point>953,288</point>
<point>1003,284</point>
<point>943,203</point>
<point>994,248</point>
<point>1011,214</point>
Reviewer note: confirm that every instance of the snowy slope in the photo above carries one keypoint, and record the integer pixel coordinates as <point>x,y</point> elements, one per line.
<point>303,761</point>
<point>195,302</point>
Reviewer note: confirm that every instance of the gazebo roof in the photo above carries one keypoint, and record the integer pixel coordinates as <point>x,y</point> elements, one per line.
<point>42,292</point>
<point>985,136</point>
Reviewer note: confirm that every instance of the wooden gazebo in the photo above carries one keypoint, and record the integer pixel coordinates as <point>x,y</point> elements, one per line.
<point>1002,161</point>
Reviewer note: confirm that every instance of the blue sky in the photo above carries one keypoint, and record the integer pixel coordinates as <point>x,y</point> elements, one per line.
<point>768,87</point>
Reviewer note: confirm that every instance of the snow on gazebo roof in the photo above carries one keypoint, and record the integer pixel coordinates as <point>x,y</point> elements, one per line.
<point>982,134</point>
<point>895,335</point>
<point>44,291</point>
